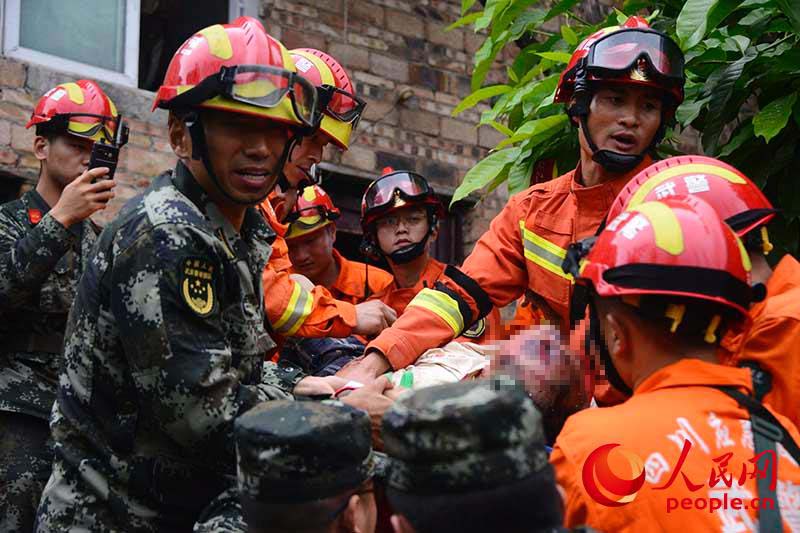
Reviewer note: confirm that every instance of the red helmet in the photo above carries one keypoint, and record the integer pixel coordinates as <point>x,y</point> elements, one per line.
<point>673,247</point>
<point>632,53</point>
<point>736,199</point>
<point>394,190</point>
<point>79,108</point>
<point>314,210</point>
<point>340,108</point>
<point>239,68</point>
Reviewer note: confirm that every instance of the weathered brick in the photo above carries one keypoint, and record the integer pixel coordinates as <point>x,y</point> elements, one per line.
<point>349,56</point>
<point>393,69</point>
<point>12,73</point>
<point>8,157</point>
<point>419,92</point>
<point>395,4</point>
<point>439,172</point>
<point>382,110</point>
<point>22,138</point>
<point>146,162</point>
<point>369,42</point>
<point>405,23</point>
<point>331,29</point>
<point>447,98</point>
<point>459,131</point>
<point>29,162</point>
<point>140,139</point>
<point>367,12</point>
<point>299,39</point>
<point>473,41</point>
<point>335,6</point>
<point>427,77</point>
<point>297,8</point>
<point>419,121</point>
<point>456,84</point>
<point>5,133</point>
<point>20,97</point>
<point>372,79</point>
<point>436,34</point>
<point>398,162</point>
<point>14,113</point>
<point>488,137</point>
<point>358,157</point>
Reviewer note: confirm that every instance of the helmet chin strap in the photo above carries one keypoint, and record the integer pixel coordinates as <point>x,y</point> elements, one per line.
<point>410,252</point>
<point>200,153</point>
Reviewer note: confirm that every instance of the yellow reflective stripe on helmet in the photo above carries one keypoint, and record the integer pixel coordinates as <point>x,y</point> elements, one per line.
<point>666,227</point>
<point>325,73</point>
<point>219,44</point>
<point>542,252</point>
<point>443,305</point>
<point>696,168</point>
<point>74,92</point>
<point>745,256</point>
<point>296,312</point>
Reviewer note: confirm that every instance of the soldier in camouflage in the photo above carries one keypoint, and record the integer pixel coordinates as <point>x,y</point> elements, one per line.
<point>166,339</point>
<point>45,240</point>
<point>469,457</point>
<point>302,466</point>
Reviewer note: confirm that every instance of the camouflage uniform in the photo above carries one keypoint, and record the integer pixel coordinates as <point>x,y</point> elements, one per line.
<point>164,349</point>
<point>40,263</point>
<point>293,453</point>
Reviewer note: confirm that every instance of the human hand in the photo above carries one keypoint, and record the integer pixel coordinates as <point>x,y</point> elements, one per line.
<point>372,317</point>
<point>81,198</point>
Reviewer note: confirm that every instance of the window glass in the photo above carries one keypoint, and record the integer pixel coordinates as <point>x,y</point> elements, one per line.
<point>93,33</point>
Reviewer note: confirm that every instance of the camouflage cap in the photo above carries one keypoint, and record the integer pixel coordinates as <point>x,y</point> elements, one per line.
<point>300,451</point>
<point>465,436</point>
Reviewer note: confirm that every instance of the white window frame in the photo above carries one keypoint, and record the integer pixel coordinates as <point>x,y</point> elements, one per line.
<point>130,75</point>
<point>240,8</point>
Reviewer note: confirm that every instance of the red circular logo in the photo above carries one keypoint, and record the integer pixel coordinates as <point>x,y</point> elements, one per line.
<point>613,475</point>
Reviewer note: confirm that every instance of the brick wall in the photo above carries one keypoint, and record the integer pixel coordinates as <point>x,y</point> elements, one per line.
<point>409,70</point>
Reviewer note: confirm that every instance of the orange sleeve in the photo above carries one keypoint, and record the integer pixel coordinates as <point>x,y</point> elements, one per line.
<point>434,317</point>
<point>576,510</point>
<point>295,311</point>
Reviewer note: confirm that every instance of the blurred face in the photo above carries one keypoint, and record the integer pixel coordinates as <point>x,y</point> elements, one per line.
<point>623,118</point>
<point>244,151</point>
<point>304,155</point>
<point>312,254</point>
<point>401,228</point>
<point>65,157</point>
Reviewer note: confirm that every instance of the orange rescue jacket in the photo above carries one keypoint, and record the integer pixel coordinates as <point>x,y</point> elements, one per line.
<point>351,284</point>
<point>484,331</point>
<point>674,404</point>
<point>773,341</point>
<point>523,249</point>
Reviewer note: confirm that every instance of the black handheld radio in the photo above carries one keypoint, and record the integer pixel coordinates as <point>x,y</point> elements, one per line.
<point>107,154</point>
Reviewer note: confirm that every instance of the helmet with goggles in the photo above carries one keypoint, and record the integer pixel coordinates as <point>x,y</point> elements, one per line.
<point>237,68</point>
<point>314,210</point>
<point>630,54</point>
<point>340,108</point>
<point>78,108</point>
<point>735,198</point>
<point>392,191</point>
<point>674,260</point>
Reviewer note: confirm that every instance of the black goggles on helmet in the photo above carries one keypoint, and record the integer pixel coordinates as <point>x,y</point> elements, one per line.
<point>409,185</point>
<point>86,125</point>
<point>340,104</point>
<point>257,85</point>
<point>619,52</point>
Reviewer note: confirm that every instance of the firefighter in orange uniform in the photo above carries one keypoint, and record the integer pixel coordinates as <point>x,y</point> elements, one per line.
<point>400,216</point>
<point>773,341</point>
<point>312,232</point>
<point>622,86</point>
<point>664,282</point>
<point>292,309</point>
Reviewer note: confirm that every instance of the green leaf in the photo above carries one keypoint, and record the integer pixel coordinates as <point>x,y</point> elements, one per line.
<point>558,57</point>
<point>719,86</point>
<point>481,94</point>
<point>466,5</point>
<point>519,175</point>
<point>791,8</point>
<point>569,35</point>
<point>756,16</point>
<point>488,169</point>
<point>773,118</point>
<point>744,134</point>
<point>690,109</point>
<point>562,7</point>
<point>699,17</point>
<point>796,115</point>
<point>540,128</point>
<point>492,7</point>
<point>465,20</point>
<point>502,128</point>
<point>621,17</point>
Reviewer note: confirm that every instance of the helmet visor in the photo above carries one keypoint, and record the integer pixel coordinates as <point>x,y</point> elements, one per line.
<point>340,104</point>
<point>410,186</point>
<point>87,125</point>
<point>620,51</point>
<point>310,215</point>
<point>265,86</point>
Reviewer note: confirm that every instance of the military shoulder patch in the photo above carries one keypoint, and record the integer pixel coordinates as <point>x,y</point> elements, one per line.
<point>197,278</point>
<point>476,330</point>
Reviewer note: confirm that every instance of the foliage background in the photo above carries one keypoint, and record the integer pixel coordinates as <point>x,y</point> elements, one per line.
<point>743,75</point>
